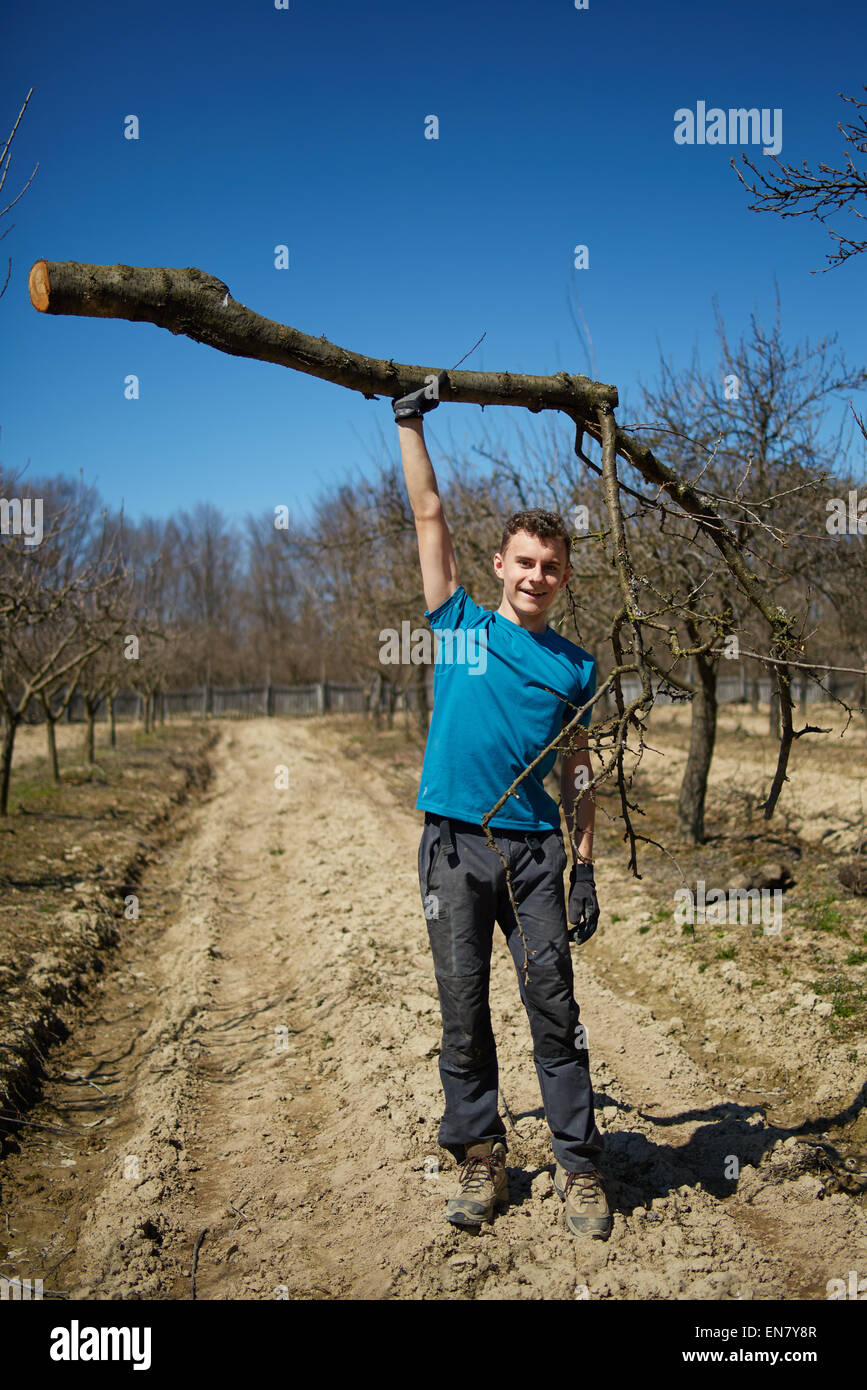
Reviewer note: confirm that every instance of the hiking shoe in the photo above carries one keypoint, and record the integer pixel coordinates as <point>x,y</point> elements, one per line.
<point>587,1212</point>
<point>483,1185</point>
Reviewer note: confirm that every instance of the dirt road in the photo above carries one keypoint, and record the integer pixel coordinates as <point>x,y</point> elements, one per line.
<point>260,1065</point>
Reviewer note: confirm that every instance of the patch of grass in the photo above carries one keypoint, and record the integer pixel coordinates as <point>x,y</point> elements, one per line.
<point>642,930</point>
<point>726,953</point>
<point>36,791</point>
<point>848,999</point>
<point>276,851</point>
<point>616,917</point>
<point>57,836</point>
<point>856,958</point>
<point>823,915</point>
<point>702,968</point>
<point>661,914</point>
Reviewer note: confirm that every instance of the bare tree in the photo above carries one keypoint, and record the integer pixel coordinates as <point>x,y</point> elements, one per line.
<point>794,191</point>
<point>207,552</point>
<point>161,642</point>
<point>753,431</point>
<point>356,557</point>
<point>49,614</point>
<point>5,161</point>
<point>268,602</point>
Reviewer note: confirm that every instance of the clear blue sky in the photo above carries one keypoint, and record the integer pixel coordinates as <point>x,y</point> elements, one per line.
<point>305,126</point>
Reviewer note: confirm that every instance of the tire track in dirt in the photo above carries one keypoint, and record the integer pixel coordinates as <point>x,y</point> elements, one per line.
<point>284,1094</point>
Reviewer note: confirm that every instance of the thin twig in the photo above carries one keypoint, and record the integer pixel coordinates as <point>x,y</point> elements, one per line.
<point>199,1238</point>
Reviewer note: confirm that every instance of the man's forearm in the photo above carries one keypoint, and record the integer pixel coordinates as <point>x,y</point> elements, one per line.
<point>579,812</point>
<point>421,483</point>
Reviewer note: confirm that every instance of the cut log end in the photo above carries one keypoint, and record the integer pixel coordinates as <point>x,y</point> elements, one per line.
<point>37,283</point>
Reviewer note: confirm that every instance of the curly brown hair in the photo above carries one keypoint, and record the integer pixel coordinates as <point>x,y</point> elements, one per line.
<point>546,526</point>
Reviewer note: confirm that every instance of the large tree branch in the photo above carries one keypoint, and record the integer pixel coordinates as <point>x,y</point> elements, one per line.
<point>191,302</point>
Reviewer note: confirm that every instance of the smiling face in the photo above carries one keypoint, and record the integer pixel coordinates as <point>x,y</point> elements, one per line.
<point>533,572</point>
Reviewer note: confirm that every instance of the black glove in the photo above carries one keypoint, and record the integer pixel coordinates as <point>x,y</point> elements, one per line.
<point>583,909</point>
<point>417,403</point>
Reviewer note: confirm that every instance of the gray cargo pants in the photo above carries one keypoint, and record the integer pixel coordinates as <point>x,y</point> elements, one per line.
<point>463,888</point>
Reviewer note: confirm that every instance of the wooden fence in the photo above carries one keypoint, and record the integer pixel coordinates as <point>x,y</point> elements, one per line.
<point>331,697</point>
<point>243,702</point>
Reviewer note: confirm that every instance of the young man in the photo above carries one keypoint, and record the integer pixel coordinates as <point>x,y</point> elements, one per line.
<point>490,720</point>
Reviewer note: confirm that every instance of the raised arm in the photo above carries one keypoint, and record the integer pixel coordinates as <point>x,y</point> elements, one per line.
<point>439,570</point>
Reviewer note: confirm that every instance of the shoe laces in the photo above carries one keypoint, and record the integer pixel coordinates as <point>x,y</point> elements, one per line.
<point>589,1185</point>
<point>471,1174</point>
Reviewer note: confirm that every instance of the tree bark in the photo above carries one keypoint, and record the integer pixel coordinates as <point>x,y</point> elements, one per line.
<point>375,697</point>
<point>191,302</point>
<point>774,708</point>
<point>693,788</point>
<point>89,733</point>
<point>52,748</point>
<point>9,728</point>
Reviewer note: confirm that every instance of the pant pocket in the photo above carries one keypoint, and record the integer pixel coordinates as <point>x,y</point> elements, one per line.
<point>428,852</point>
<point>560,849</point>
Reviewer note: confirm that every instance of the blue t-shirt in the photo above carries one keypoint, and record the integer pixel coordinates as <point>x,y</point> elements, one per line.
<point>497,689</point>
